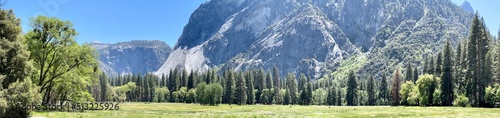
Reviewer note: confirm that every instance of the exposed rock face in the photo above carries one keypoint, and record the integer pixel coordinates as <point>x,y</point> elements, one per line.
<point>309,36</point>
<point>467,7</point>
<point>138,56</point>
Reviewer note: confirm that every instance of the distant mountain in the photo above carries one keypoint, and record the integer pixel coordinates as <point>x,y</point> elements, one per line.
<point>139,56</point>
<point>467,7</point>
<point>316,37</point>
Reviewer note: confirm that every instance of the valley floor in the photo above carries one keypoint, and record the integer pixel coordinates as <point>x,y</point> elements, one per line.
<point>174,110</point>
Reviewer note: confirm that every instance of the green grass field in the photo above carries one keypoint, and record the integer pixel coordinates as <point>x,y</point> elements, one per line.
<point>172,110</point>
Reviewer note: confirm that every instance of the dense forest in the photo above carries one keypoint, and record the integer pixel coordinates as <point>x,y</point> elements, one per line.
<point>47,66</point>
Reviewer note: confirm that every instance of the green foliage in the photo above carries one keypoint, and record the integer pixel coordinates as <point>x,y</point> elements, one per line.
<point>352,90</point>
<point>14,63</point>
<point>371,91</point>
<point>210,94</point>
<point>406,90</point>
<point>121,91</point>
<point>447,77</point>
<point>426,85</point>
<point>414,97</point>
<point>63,65</point>
<point>362,97</point>
<point>162,94</point>
<point>461,101</point>
<point>20,93</point>
<point>319,96</point>
<point>492,94</point>
<point>191,96</point>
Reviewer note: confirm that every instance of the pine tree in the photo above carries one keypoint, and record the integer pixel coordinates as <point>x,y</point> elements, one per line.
<point>409,72</point>
<point>352,87</point>
<point>447,95</point>
<point>439,63</point>
<point>241,89</point>
<point>103,80</point>
<point>292,88</point>
<point>14,55</point>
<point>229,88</point>
<point>261,84</point>
<point>431,65</point>
<point>191,81</point>
<point>277,86</point>
<point>250,88</point>
<point>415,75</point>
<point>426,66</point>
<point>395,87</point>
<point>384,91</point>
<point>371,91</point>
<point>184,78</point>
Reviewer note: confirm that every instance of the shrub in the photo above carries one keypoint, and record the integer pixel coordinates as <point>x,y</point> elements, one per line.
<point>461,101</point>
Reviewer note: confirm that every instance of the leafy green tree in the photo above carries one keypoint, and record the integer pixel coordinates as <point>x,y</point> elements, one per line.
<point>210,94</point>
<point>426,86</point>
<point>60,60</point>
<point>121,91</point>
<point>332,96</point>
<point>319,96</point>
<point>352,87</point>
<point>14,57</point>
<point>162,94</point>
<point>405,92</point>
<point>447,95</point>
<point>461,101</point>
<point>191,96</point>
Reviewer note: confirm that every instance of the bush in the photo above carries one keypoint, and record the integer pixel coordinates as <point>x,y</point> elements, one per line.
<point>492,95</point>
<point>414,97</point>
<point>19,93</point>
<point>461,101</point>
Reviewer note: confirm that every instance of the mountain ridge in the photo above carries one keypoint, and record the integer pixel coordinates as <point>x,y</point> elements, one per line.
<point>312,37</point>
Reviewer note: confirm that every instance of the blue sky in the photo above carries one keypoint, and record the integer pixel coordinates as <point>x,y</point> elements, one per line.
<point>111,21</point>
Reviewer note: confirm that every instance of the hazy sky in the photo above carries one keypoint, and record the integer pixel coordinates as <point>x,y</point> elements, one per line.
<point>112,21</point>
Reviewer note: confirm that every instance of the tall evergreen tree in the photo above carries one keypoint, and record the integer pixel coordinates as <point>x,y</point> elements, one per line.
<point>292,88</point>
<point>395,87</point>
<point>431,65</point>
<point>415,75</point>
<point>352,87</point>
<point>371,91</point>
<point>384,91</point>
<point>439,62</point>
<point>447,95</point>
<point>241,89</point>
<point>191,80</point>
<point>261,84</point>
<point>250,88</point>
<point>409,72</point>
<point>277,87</point>
<point>14,55</point>
<point>184,78</point>
<point>229,88</point>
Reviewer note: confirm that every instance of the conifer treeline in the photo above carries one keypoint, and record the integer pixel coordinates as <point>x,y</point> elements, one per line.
<point>448,77</point>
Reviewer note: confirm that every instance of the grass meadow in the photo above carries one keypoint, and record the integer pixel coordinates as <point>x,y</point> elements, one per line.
<point>178,110</point>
